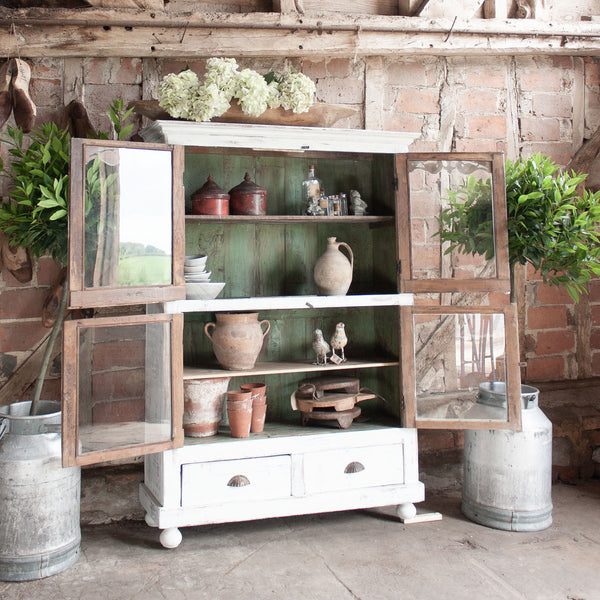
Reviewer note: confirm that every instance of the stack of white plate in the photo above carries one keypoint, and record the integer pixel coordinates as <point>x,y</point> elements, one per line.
<point>197,279</point>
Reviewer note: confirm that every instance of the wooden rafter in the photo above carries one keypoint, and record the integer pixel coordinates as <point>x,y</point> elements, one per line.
<point>141,33</point>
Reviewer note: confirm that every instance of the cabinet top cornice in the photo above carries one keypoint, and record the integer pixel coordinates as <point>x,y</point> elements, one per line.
<point>277,137</point>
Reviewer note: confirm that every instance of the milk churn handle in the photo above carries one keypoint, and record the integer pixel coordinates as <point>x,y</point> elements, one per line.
<point>349,252</point>
<point>3,426</point>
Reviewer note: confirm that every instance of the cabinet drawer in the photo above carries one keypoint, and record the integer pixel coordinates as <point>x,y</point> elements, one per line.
<point>351,468</point>
<point>236,480</point>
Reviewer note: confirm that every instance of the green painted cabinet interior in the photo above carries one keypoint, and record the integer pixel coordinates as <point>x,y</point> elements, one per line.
<point>266,257</point>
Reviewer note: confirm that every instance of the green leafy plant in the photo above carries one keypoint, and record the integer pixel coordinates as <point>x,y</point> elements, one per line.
<point>551,225</point>
<point>35,213</point>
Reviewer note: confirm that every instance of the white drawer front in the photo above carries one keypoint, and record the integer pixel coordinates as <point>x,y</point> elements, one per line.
<point>236,480</point>
<point>352,468</point>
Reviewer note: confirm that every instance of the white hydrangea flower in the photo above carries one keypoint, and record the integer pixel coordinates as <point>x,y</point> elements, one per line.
<point>209,102</point>
<point>273,98</point>
<point>223,72</point>
<point>176,92</point>
<point>252,92</point>
<point>297,92</point>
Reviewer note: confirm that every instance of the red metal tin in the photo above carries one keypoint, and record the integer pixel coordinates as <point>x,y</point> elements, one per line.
<point>210,199</point>
<point>247,198</point>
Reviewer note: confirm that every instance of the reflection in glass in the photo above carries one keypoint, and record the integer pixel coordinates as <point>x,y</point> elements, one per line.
<point>451,219</point>
<point>454,354</point>
<point>124,386</point>
<point>128,218</point>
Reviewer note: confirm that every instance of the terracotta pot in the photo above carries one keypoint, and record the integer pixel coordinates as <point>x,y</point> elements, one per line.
<point>258,391</point>
<point>238,400</point>
<point>237,339</point>
<point>259,412</point>
<point>333,271</point>
<point>203,405</point>
<point>239,422</point>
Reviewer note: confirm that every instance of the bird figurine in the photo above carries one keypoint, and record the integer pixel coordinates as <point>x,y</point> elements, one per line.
<point>339,340</point>
<point>320,346</point>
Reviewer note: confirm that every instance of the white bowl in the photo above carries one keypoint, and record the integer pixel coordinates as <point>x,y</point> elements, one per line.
<point>195,260</point>
<point>194,269</point>
<point>197,277</point>
<point>205,290</point>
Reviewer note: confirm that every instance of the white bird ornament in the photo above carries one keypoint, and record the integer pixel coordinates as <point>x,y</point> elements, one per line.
<point>339,340</point>
<point>320,346</point>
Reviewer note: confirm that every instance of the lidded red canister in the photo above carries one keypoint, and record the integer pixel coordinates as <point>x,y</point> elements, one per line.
<point>247,198</point>
<point>210,199</point>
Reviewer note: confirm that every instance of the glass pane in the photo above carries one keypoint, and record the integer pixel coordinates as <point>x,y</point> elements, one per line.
<point>457,359</point>
<point>128,217</point>
<point>124,386</point>
<point>451,219</point>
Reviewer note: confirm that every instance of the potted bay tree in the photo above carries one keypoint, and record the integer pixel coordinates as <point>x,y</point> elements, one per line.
<point>554,225</point>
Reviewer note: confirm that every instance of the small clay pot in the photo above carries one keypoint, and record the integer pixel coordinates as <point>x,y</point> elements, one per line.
<point>247,198</point>
<point>210,199</point>
<point>258,391</point>
<point>259,412</point>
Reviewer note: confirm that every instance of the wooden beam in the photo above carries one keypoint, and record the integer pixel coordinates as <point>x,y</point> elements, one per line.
<point>146,4</point>
<point>464,9</point>
<point>495,9</point>
<point>128,33</point>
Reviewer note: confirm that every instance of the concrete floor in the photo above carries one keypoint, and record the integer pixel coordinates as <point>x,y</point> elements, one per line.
<point>364,555</point>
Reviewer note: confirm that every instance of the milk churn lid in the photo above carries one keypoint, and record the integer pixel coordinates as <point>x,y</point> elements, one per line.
<point>210,190</point>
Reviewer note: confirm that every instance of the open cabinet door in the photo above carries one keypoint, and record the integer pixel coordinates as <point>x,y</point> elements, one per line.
<point>459,342</point>
<point>122,387</point>
<point>126,223</point>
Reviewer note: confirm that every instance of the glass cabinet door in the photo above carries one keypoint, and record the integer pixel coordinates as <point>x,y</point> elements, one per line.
<point>460,367</point>
<point>122,387</point>
<point>455,208</point>
<point>459,341</point>
<point>126,221</point>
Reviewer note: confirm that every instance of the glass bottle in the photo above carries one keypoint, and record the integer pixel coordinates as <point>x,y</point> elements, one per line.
<point>311,192</point>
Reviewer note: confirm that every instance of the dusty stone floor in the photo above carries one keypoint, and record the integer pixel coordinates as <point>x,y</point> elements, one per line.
<point>364,555</point>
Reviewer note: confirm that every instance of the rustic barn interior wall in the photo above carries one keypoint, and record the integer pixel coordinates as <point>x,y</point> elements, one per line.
<point>515,104</point>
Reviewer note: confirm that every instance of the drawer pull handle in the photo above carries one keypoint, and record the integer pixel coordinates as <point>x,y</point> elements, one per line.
<point>354,467</point>
<point>238,481</point>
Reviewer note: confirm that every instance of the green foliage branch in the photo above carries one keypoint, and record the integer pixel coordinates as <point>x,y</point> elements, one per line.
<point>550,224</point>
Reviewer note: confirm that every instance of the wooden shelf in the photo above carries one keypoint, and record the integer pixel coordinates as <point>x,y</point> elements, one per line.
<point>265,219</point>
<point>278,368</point>
<point>287,303</point>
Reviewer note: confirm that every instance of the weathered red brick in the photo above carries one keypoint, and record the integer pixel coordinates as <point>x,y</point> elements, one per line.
<point>537,77</point>
<point>559,152</point>
<point>119,412</point>
<point>411,74</point>
<point>341,91</point>
<point>119,354</point>
<point>47,271</point>
<point>118,385</point>
<point>552,294</point>
<point>490,74</point>
<point>492,126</point>
<point>405,122</point>
<point>22,304</point>
<point>475,145</point>
<point>554,342</point>
<point>540,129</point>
<point>547,368</point>
<point>112,70</point>
<point>435,440</point>
<point>314,69</point>
<point>51,390</point>
<point>481,102</point>
<point>339,67</point>
<point>418,101</point>
<point>21,335</point>
<point>552,105</point>
<point>546,317</point>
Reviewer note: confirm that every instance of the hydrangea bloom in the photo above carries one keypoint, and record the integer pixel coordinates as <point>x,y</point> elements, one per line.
<point>176,92</point>
<point>296,92</point>
<point>208,102</point>
<point>223,72</point>
<point>252,92</point>
<point>183,96</point>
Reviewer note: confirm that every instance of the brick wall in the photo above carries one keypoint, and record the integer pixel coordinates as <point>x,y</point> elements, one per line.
<point>502,103</point>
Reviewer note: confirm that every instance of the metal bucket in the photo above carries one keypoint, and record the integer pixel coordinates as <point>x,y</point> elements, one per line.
<point>508,474</point>
<point>39,499</point>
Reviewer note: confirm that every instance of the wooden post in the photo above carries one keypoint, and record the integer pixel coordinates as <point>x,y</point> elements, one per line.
<point>495,9</point>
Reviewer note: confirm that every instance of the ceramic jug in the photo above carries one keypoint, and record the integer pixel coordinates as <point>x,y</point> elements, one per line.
<point>333,271</point>
<point>237,339</point>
